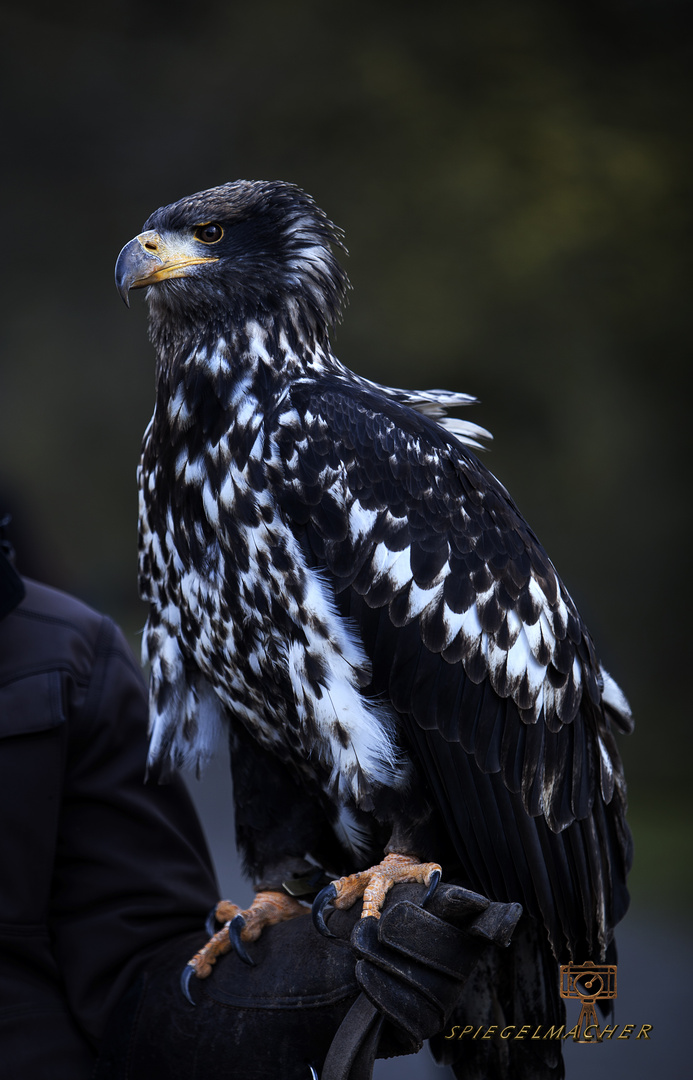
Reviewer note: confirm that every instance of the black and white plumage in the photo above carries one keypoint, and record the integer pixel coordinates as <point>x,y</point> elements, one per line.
<point>333,573</point>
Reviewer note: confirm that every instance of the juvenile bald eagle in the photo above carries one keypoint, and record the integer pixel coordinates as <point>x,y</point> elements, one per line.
<point>335,578</point>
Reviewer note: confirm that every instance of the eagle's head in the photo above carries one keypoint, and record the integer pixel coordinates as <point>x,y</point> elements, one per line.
<point>246,249</point>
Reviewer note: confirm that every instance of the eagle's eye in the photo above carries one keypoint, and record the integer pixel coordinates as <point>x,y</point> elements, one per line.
<point>210,233</point>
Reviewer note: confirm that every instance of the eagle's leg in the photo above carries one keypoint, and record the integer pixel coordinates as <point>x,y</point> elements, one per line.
<point>240,925</point>
<point>373,885</point>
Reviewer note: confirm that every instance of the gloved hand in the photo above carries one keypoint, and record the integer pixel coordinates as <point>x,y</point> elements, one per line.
<point>412,966</point>
<point>382,985</point>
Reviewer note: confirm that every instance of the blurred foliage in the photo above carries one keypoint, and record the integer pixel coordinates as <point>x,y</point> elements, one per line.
<point>512,177</point>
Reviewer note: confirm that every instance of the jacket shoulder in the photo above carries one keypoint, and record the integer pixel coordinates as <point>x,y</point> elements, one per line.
<point>43,603</point>
<point>52,646</point>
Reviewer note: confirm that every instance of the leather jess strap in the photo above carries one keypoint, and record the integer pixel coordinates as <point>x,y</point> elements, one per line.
<point>353,1050</point>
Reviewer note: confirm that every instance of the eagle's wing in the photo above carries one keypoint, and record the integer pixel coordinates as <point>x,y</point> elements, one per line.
<point>479,647</point>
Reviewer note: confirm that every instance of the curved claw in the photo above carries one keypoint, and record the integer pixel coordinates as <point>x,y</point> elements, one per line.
<point>211,923</point>
<point>185,977</point>
<point>432,886</point>
<point>236,925</point>
<point>324,897</point>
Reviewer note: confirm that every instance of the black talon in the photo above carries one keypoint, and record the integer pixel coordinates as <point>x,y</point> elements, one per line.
<point>235,927</point>
<point>211,923</point>
<point>432,886</point>
<point>324,897</point>
<point>185,977</point>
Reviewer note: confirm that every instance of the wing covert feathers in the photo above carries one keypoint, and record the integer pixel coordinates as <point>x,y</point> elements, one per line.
<point>480,649</point>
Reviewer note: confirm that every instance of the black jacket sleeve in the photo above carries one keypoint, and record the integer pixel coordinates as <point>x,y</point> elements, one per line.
<point>99,869</point>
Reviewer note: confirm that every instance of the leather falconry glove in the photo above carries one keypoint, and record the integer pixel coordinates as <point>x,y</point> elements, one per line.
<point>381,985</point>
<point>412,966</point>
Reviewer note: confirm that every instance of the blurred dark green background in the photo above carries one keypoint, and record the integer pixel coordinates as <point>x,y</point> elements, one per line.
<point>513,181</point>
